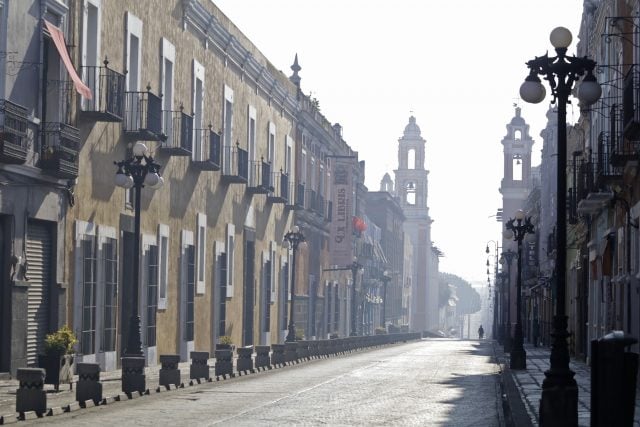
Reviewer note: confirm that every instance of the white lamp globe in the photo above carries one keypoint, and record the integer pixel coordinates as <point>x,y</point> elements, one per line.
<point>560,37</point>
<point>296,229</point>
<point>520,214</point>
<point>532,90</point>
<point>589,90</point>
<point>139,149</point>
<point>530,237</point>
<point>121,180</point>
<point>159,184</point>
<point>507,234</point>
<point>151,179</point>
<point>285,244</point>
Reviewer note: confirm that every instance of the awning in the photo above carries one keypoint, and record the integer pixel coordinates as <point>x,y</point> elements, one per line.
<point>58,40</point>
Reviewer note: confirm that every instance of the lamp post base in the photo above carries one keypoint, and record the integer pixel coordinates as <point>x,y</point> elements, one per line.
<point>133,377</point>
<point>518,358</point>
<point>559,401</point>
<point>291,335</point>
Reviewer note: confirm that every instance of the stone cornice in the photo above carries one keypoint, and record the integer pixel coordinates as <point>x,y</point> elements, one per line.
<point>209,28</point>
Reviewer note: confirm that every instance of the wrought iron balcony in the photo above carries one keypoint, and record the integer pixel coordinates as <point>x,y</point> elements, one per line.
<point>13,133</point>
<point>143,116</point>
<point>209,142</point>
<point>622,149</point>
<point>280,192</point>
<point>178,133</point>
<point>59,156</point>
<point>590,191</point>
<point>631,103</point>
<point>107,90</point>
<point>605,170</point>
<point>260,177</point>
<point>235,164</point>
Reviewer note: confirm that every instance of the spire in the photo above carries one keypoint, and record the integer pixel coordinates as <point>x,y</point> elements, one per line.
<point>295,78</point>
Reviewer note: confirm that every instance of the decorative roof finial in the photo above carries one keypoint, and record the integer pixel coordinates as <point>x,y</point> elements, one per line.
<point>295,78</point>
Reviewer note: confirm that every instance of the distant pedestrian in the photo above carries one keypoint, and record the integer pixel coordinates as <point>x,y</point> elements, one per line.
<point>480,332</point>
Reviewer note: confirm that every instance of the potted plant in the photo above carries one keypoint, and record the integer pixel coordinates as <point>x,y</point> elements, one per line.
<point>225,343</point>
<point>58,356</point>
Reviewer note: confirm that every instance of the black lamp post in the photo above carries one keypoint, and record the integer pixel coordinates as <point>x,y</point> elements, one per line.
<point>498,309</point>
<point>559,402</point>
<point>354,267</point>
<point>518,359</point>
<point>487,251</point>
<point>507,257</point>
<point>137,171</point>
<point>385,281</point>
<point>292,240</point>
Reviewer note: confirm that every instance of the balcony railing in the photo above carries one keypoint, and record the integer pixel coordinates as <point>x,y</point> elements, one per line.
<point>260,177</point>
<point>590,191</point>
<point>60,144</point>
<point>209,142</point>
<point>143,116</point>
<point>179,137</point>
<point>622,149</point>
<point>107,90</point>
<point>631,103</point>
<point>235,164</point>
<point>13,133</point>
<point>605,169</point>
<point>280,191</point>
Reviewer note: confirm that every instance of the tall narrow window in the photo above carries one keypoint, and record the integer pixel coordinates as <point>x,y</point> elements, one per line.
<point>110,259</point>
<point>266,296</point>
<point>227,132</point>
<point>222,268</point>
<point>91,48</point>
<point>251,145</point>
<point>163,265</point>
<point>517,167</point>
<point>271,145</point>
<point>198,114</point>
<point>89,263</point>
<point>230,259</point>
<point>190,292</point>
<point>167,60</point>
<point>411,159</point>
<point>201,242</point>
<point>152,294</point>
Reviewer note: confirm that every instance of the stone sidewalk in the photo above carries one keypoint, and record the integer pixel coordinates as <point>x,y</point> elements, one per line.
<point>111,387</point>
<point>528,383</point>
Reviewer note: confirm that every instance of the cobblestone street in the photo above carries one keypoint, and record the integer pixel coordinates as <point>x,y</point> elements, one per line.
<point>431,382</point>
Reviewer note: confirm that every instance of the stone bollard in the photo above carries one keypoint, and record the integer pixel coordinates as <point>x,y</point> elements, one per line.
<point>169,373</point>
<point>133,377</point>
<point>224,362</point>
<point>303,350</point>
<point>277,356</point>
<point>245,360</point>
<point>291,352</point>
<point>199,367</point>
<point>31,395</point>
<point>89,386</point>
<point>262,356</point>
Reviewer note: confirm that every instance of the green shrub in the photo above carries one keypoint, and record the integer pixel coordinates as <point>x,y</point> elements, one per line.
<point>225,339</point>
<point>60,341</point>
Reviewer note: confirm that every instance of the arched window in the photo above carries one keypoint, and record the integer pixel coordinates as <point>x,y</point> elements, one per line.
<point>517,134</point>
<point>411,159</point>
<point>517,167</point>
<point>410,197</point>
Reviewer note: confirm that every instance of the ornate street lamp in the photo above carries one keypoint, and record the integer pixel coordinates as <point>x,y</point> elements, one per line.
<point>136,172</point>
<point>292,240</point>
<point>386,278</point>
<point>518,359</point>
<point>507,257</point>
<point>559,402</point>
<point>354,267</point>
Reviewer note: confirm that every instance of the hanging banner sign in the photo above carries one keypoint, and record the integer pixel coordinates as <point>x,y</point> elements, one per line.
<point>340,246</point>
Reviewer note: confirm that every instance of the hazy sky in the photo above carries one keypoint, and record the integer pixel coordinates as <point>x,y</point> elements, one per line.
<point>455,65</point>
